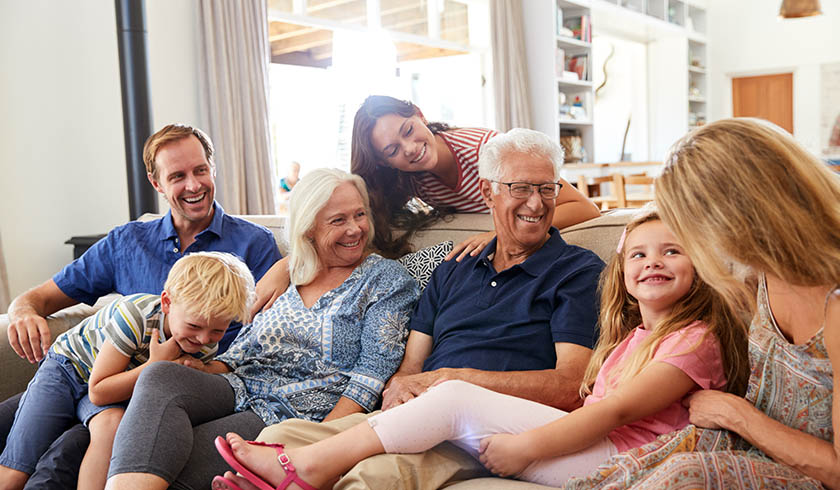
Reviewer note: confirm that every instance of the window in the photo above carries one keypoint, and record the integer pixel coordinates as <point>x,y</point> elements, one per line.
<point>328,55</point>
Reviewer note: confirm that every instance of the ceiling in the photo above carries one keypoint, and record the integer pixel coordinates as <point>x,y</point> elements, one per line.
<point>299,44</point>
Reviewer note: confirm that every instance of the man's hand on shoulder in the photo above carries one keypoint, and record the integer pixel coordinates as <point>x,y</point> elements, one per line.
<point>403,388</point>
<point>29,334</point>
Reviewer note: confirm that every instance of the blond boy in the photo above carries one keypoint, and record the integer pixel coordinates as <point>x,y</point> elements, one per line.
<point>90,370</point>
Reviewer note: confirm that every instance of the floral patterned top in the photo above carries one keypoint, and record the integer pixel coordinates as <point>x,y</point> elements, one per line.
<point>791,383</point>
<point>295,362</point>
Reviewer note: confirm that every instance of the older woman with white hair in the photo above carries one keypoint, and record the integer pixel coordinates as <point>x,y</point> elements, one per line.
<point>324,350</point>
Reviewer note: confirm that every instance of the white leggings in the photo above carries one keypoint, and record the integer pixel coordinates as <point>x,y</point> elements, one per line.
<point>464,414</point>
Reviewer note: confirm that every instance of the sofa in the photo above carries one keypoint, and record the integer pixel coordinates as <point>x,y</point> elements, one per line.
<point>599,235</point>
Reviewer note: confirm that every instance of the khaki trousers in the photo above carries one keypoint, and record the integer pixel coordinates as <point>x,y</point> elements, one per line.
<point>432,469</point>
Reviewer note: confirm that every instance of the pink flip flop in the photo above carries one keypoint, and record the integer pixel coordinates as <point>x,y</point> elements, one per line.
<point>291,474</point>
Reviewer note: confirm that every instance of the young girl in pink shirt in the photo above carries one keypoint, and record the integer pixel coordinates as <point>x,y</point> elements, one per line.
<point>664,335</point>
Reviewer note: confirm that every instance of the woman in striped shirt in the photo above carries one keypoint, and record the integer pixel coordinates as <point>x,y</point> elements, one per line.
<point>401,156</point>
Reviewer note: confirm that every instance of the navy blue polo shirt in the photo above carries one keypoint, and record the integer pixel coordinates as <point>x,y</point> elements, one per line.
<point>136,257</point>
<point>510,320</point>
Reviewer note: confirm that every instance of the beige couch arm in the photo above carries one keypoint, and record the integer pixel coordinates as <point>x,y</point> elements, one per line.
<point>16,372</point>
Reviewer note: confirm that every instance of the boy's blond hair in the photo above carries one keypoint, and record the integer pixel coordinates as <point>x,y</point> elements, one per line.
<point>212,285</point>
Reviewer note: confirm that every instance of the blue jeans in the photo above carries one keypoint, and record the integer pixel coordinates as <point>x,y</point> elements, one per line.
<point>54,400</point>
<point>58,468</point>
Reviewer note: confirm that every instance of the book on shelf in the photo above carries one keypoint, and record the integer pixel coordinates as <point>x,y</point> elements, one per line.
<point>579,64</point>
<point>559,21</point>
<point>581,27</point>
<point>559,62</point>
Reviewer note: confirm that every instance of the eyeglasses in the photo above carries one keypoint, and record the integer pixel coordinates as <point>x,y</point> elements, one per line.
<point>523,190</point>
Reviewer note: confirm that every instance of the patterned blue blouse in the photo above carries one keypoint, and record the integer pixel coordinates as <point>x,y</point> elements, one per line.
<point>295,362</point>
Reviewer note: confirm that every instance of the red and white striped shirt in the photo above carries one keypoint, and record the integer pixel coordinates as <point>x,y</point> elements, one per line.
<point>464,143</point>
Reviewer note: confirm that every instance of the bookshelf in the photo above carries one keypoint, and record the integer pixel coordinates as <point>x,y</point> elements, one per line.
<point>674,32</point>
<point>560,72</point>
<point>659,21</point>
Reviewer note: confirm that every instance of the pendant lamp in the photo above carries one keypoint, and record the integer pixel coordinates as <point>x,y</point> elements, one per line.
<point>792,9</point>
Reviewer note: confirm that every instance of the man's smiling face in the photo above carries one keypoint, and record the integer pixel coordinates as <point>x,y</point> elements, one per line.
<point>186,179</point>
<point>522,222</point>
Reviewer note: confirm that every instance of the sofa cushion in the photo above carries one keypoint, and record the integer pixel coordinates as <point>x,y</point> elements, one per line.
<point>422,263</point>
<point>599,234</point>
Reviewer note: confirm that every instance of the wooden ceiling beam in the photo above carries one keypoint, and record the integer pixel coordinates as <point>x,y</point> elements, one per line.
<point>292,33</point>
<point>327,5</point>
<point>281,49</point>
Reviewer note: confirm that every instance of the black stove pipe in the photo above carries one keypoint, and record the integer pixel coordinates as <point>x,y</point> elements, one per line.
<point>137,111</point>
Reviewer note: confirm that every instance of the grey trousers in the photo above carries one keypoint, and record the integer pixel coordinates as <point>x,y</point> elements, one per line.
<point>169,427</point>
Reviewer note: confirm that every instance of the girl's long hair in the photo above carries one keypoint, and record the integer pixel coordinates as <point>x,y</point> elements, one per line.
<point>620,314</point>
<point>390,189</point>
<point>742,195</point>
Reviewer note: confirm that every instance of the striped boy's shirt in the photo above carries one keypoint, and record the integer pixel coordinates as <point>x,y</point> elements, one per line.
<point>128,323</point>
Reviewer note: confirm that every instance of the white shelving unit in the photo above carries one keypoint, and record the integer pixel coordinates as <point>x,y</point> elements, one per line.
<point>562,102</point>
<point>698,85</point>
<point>657,22</point>
<point>673,30</point>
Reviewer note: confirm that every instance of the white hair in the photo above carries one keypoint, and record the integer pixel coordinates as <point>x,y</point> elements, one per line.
<point>517,140</point>
<point>307,198</point>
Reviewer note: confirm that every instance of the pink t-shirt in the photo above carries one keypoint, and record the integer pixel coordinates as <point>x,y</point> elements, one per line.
<point>704,365</point>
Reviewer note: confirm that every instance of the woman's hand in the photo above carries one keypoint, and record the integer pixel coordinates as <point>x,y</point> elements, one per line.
<point>191,362</point>
<point>710,409</point>
<point>472,246</point>
<point>505,454</point>
<point>274,283</point>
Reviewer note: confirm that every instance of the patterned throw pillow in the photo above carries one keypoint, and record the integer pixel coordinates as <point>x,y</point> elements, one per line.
<point>422,263</point>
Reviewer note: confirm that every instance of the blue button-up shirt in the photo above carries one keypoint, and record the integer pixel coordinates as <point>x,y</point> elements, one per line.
<point>136,257</point>
<point>510,320</point>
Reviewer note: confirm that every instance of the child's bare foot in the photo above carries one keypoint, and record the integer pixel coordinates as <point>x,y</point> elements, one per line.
<point>239,481</point>
<point>262,460</point>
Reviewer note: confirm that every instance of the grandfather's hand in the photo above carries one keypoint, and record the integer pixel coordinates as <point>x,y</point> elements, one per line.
<point>471,246</point>
<point>505,454</point>
<point>709,408</point>
<point>29,335</point>
<point>403,388</point>
<point>274,283</point>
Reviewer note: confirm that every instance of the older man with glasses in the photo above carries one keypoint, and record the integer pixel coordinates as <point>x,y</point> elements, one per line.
<point>518,318</point>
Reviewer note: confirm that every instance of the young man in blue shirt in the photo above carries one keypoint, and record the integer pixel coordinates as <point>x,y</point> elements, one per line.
<point>136,258</point>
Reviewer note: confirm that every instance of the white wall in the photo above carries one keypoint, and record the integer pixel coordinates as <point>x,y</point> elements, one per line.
<point>746,37</point>
<point>62,160</point>
<point>624,96</point>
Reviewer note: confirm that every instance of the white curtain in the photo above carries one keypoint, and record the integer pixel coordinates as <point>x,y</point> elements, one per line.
<point>510,72</point>
<point>235,96</point>
<point>5,298</point>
